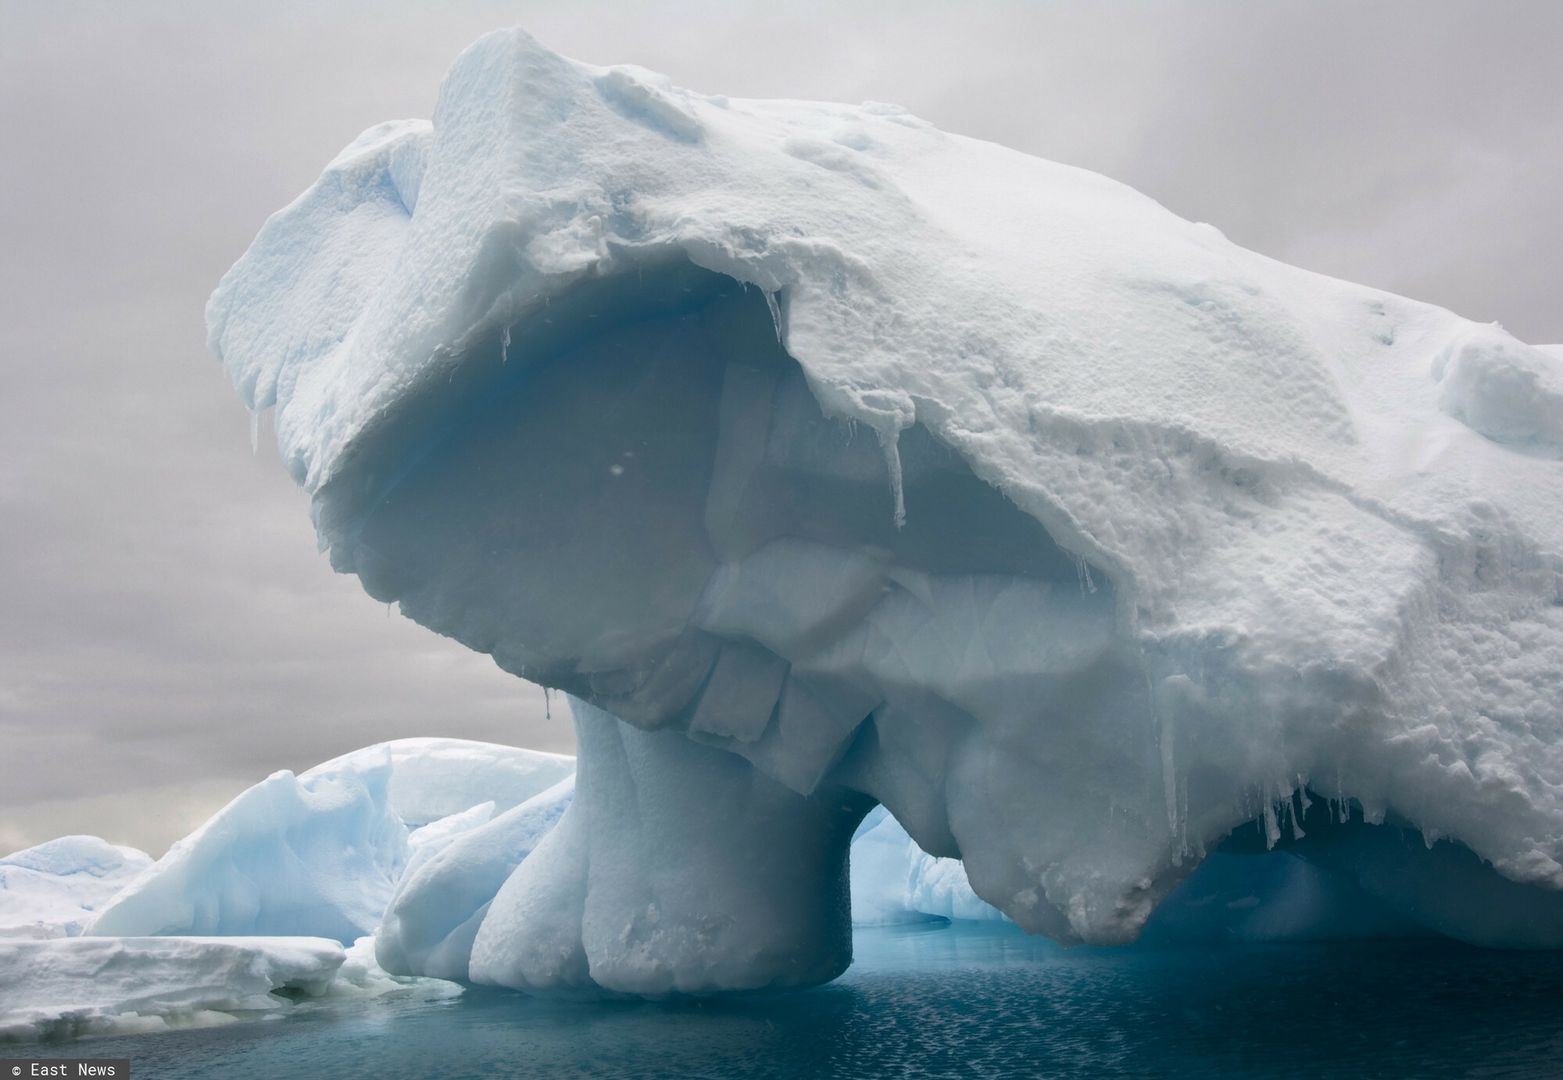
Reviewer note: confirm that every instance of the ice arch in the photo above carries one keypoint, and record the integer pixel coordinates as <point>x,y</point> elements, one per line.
<point>658,518</point>
<point>898,466</point>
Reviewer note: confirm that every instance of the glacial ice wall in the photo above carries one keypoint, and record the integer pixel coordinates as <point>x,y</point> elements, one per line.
<point>901,467</point>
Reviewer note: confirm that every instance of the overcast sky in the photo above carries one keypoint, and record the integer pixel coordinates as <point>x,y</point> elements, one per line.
<point>168,633</point>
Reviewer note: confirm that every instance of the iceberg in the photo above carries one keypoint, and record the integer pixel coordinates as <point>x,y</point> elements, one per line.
<point>52,890</point>
<point>895,881</point>
<point>320,854</point>
<point>828,459</point>
<point>288,857</point>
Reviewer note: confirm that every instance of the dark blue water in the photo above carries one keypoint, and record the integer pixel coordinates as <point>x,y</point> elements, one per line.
<point>968,1000</point>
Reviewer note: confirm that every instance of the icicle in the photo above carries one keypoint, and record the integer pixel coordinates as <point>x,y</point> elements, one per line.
<point>1183,817</point>
<point>254,431</point>
<point>770,302</point>
<point>1297,829</point>
<point>548,704</point>
<point>1083,575</point>
<point>1272,826</point>
<point>504,346</point>
<point>892,445</point>
<point>1169,774</point>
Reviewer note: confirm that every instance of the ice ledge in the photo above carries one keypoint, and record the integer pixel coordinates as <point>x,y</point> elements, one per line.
<point>99,986</point>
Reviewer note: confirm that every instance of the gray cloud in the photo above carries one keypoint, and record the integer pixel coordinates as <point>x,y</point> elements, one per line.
<point>168,632</point>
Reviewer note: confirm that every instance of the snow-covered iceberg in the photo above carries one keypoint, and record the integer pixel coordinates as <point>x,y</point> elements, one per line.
<point>53,889</point>
<point>823,452</point>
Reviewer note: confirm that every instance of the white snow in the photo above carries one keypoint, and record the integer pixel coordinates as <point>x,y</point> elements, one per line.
<point>1069,531</point>
<point>99,986</point>
<point>52,890</point>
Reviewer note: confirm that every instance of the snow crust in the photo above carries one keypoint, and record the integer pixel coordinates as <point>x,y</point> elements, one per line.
<point>890,465</point>
<point>53,889</point>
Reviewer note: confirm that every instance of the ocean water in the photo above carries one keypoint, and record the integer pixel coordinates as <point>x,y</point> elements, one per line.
<point>959,1000</point>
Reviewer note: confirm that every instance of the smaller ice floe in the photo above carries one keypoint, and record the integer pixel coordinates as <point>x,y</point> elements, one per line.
<point>434,778</point>
<point>314,856</point>
<point>53,889</point>
<point>98,986</point>
<point>320,854</point>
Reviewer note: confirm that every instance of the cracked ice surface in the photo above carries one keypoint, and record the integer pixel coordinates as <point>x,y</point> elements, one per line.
<point>630,387</point>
